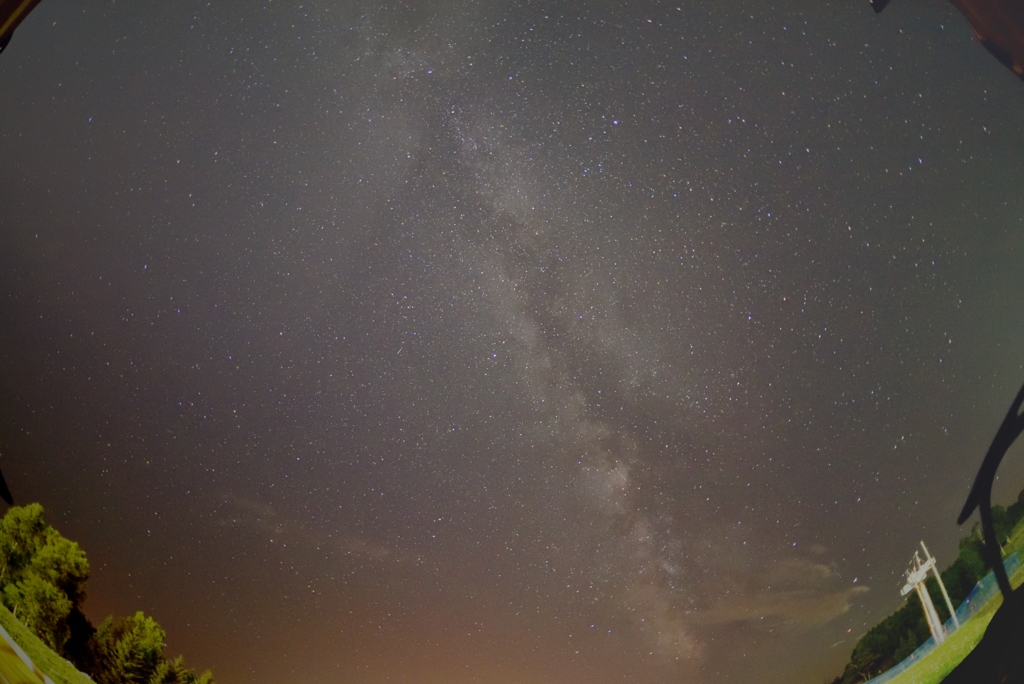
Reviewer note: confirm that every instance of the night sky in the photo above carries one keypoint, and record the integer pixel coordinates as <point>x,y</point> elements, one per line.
<point>538,342</point>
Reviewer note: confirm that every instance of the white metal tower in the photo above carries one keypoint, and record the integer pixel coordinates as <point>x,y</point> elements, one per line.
<point>916,576</point>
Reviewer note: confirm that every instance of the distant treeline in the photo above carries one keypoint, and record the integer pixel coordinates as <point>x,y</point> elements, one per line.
<point>897,636</point>
<point>42,582</point>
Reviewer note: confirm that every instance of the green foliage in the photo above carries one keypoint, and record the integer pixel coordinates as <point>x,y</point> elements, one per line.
<point>1002,524</point>
<point>885,644</point>
<point>967,569</point>
<point>949,654</point>
<point>175,672</point>
<point>62,563</point>
<point>44,609</point>
<point>21,532</point>
<point>899,635</point>
<point>42,582</point>
<point>42,574</point>
<point>130,651</point>
<point>58,669</point>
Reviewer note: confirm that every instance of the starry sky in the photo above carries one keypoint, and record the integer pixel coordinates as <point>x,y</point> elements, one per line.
<point>470,341</point>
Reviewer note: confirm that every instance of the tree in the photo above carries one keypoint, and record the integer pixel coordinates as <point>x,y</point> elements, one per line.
<point>62,563</point>
<point>899,635</point>
<point>42,581</point>
<point>22,532</point>
<point>44,609</point>
<point>42,574</point>
<point>129,650</point>
<point>1002,524</point>
<point>175,672</point>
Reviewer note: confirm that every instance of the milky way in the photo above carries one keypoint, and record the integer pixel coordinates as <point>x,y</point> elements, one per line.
<point>488,342</point>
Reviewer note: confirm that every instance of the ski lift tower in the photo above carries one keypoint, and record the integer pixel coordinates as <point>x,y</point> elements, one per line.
<point>916,576</point>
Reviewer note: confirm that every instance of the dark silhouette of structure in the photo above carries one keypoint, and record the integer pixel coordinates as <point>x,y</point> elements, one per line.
<point>11,14</point>
<point>5,493</point>
<point>981,492</point>
<point>998,658</point>
<point>998,24</point>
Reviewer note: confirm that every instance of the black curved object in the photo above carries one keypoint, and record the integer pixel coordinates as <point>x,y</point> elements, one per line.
<point>981,492</point>
<point>998,657</point>
<point>11,14</point>
<point>5,493</point>
<point>879,5</point>
<point>998,24</point>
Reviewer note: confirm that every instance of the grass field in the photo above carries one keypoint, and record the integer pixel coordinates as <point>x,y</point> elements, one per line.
<point>955,648</point>
<point>55,667</point>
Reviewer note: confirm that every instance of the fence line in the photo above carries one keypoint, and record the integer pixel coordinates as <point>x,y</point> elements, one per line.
<point>983,592</point>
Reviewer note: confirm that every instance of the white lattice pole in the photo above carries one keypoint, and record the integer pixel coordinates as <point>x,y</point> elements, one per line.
<point>922,596</point>
<point>916,576</point>
<point>945,594</point>
<point>930,607</point>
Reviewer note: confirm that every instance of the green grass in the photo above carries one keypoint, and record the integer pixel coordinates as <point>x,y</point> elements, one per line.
<point>52,665</point>
<point>955,648</point>
<point>1016,541</point>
